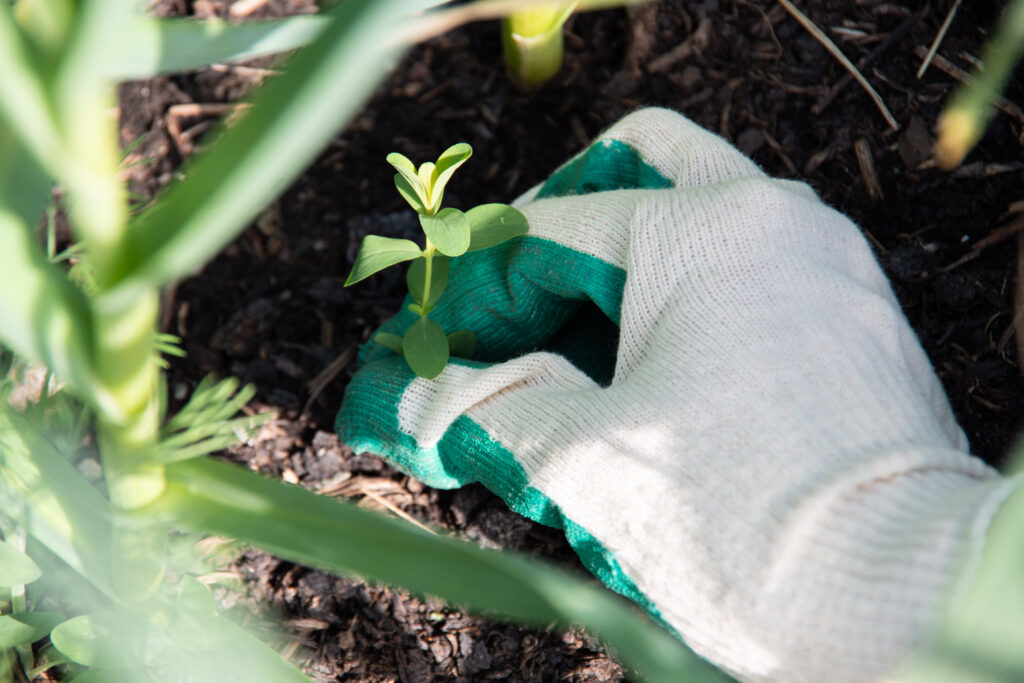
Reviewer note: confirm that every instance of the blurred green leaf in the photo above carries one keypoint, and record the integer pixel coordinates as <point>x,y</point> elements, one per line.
<point>16,568</point>
<point>133,675</point>
<point>148,47</point>
<point>447,164</point>
<point>42,316</point>
<point>968,113</point>
<point>415,278</point>
<point>194,598</point>
<point>391,341</point>
<point>24,104</point>
<point>56,505</point>
<point>378,253</point>
<point>292,118</point>
<point>208,496</point>
<point>982,638</point>
<point>110,639</point>
<point>22,628</point>
<point>492,224</point>
<point>462,343</point>
<point>425,347</point>
<point>448,231</point>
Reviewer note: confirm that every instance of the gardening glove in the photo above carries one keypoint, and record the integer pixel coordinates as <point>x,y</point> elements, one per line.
<point>761,455</point>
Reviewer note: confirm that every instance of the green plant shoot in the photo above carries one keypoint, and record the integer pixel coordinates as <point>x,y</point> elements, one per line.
<point>534,44</point>
<point>448,233</point>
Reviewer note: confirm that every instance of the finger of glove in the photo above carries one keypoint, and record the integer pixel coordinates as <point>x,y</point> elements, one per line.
<point>651,148</point>
<point>422,426</point>
<point>444,432</point>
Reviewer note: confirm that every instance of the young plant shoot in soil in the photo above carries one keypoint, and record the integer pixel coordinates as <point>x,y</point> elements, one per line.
<point>534,43</point>
<point>448,233</point>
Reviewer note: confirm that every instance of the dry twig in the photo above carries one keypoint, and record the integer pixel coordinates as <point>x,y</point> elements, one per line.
<point>327,375</point>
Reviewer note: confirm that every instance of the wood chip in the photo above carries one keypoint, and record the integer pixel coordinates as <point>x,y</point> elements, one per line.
<point>243,8</point>
<point>865,159</point>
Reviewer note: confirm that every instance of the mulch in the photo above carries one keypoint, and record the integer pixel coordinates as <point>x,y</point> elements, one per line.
<point>271,309</point>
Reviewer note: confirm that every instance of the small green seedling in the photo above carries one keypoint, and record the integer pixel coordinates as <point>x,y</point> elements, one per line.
<point>449,233</point>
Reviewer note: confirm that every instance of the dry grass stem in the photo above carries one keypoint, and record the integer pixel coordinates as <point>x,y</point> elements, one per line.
<point>827,43</point>
<point>938,39</point>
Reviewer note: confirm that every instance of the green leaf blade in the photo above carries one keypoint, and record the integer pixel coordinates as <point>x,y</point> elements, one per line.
<point>16,568</point>
<point>409,192</point>
<point>449,231</point>
<point>378,253</point>
<point>426,293</point>
<point>492,224</point>
<point>408,182</point>
<point>425,347</point>
<point>114,639</point>
<point>22,628</point>
<point>149,47</point>
<point>208,496</point>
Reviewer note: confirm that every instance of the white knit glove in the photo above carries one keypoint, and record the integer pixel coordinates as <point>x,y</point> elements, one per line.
<point>773,470</point>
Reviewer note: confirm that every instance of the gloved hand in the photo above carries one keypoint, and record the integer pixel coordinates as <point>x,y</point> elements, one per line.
<point>759,452</point>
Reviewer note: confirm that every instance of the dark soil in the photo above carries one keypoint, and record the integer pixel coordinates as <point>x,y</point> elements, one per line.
<point>271,308</point>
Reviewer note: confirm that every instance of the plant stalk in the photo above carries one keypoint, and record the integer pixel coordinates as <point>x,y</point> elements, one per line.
<point>429,258</point>
<point>126,366</point>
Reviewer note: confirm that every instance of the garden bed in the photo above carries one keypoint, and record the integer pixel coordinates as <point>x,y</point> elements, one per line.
<point>271,308</point>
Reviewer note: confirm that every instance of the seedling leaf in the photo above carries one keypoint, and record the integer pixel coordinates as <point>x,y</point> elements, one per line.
<point>462,343</point>
<point>377,253</point>
<point>448,231</point>
<point>391,341</point>
<point>416,308</point>
<point>447,163</point>
<point>16,568</point>
<point>426,348</point>
<point>409,192</point>
<point>426,177</point>
<point>402,164</point>
<point>22,628</point>
<point>426,294</point>
<point>407,171</point>
<point>492,224</point>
